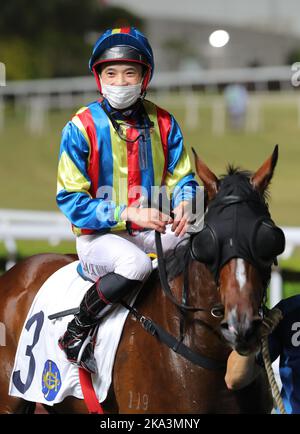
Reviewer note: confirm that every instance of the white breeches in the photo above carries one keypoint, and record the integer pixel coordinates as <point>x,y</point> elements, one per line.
<point>122,253</point>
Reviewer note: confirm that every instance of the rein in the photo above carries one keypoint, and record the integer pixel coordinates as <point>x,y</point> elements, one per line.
<point>164,280</point>
<point>163,336</point>
<point>154,329</point>
<point>174,344</point>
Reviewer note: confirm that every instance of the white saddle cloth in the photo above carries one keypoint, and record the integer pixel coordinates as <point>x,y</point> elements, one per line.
<point>41,371</point>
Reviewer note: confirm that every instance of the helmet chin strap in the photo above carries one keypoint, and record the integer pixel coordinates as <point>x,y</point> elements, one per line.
<point>146,80</point>
<point>97,77</point>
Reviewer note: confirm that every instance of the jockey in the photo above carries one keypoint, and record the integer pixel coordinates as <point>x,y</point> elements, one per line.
<point>113,152</point>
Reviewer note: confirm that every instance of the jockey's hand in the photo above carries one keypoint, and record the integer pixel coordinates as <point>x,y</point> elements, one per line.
<point>149,218</point>
<point>181,218</point>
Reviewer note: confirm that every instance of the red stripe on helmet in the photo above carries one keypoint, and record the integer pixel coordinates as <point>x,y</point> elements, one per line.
<point>146,79</point>
<point>125,30</point>
<point>96,75</point>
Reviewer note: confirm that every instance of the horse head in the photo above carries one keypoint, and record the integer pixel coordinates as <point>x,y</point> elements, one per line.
<point>239,243</point>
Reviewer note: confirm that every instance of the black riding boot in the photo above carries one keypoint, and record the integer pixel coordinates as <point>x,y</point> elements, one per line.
<point>76,342</point>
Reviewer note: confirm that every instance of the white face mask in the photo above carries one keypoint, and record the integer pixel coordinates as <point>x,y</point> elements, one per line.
<point>120,97</point>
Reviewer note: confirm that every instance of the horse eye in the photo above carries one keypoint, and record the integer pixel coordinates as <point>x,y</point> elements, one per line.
<point>269,242</point>
<point>203,247</point>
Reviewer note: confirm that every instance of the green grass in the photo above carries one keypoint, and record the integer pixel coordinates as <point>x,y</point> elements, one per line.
<point>249,150</point>
<point>293,263</point>
<point>290,289</point>
<point>28,162</point>
<point>28,248</point>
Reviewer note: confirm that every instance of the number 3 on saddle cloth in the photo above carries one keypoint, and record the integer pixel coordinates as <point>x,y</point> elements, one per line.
<point>41,371</point>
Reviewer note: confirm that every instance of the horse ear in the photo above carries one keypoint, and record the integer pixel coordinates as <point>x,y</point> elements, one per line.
<point>262,177</point>
<point>209,179</point>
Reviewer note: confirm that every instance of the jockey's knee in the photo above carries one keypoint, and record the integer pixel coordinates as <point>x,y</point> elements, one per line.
<point>127,276</point>
<point>114,287</point>
<point>145,267</point>
<point>136,266</point>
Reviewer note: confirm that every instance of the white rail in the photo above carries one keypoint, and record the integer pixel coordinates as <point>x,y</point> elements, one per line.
<point>162,80</point>
<point>292,237</point>
<point>54,227</point>
<point>31,225</point>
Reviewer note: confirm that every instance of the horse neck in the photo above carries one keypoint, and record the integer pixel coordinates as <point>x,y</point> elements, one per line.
<point>200,292</point>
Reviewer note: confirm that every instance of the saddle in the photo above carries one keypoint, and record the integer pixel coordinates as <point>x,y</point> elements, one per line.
<point>41,372</point>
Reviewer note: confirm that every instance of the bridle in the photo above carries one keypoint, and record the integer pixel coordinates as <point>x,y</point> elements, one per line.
<point>263,230</point>
<point>263,263</point>
<point>264,267</point>
<point>229,232</point>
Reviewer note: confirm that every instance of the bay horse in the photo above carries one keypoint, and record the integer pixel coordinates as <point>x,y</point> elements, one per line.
<point>148,376</point>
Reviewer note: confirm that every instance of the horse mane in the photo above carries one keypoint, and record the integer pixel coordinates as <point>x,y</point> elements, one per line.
<point>175,263</point>
<point>235,170</point>
<point>232,170</point>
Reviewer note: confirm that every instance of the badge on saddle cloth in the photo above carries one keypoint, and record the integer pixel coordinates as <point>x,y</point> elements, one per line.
<point>51,380</point>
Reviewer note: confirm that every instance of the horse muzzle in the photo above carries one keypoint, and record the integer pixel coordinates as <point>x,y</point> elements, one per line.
<point>242,335</point>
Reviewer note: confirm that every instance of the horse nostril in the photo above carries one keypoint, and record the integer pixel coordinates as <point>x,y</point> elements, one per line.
<point>256,324</point>
<point>224,325</point>
<point>251,332</point>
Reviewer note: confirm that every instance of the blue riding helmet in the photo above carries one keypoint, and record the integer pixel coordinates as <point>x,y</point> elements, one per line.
<point>126,36</point>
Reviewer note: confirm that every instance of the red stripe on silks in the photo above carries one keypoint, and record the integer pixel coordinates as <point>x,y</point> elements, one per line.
<point>164,123</point>
<point>93,169</point>
<point>125,30</point>
<point>134,172</point>
<point>87,231</point>
<point>84,231</point>
<point>90,398</point>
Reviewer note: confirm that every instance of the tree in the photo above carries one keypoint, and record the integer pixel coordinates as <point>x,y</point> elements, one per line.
<point>50,39</point>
